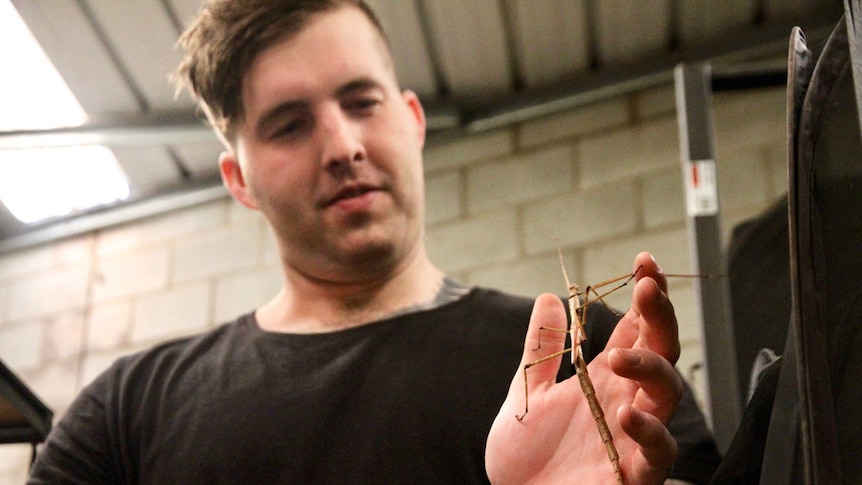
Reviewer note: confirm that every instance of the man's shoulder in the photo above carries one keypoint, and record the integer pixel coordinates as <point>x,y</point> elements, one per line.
<point>483,297</point>
<point>170,353</point>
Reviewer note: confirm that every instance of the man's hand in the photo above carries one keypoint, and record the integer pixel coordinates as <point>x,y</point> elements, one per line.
<point>558,442</point>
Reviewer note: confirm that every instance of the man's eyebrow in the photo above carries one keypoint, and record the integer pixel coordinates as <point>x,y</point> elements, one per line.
<point>357,85</point>
<point>273,114</point>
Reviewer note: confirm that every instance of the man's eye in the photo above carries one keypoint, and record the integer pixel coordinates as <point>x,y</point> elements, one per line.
<point>362,104</point>
<point>289,128</point>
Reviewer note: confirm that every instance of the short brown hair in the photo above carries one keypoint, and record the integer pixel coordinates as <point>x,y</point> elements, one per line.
<point>227,35</point>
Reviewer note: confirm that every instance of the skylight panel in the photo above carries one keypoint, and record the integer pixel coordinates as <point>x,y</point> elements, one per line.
<point>50,182</point>
<point>41,183</point>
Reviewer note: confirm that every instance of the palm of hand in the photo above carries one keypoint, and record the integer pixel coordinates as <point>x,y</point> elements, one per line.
<point>558,440</point>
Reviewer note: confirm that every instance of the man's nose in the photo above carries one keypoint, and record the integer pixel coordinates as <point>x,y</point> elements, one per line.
<point>341,140</point>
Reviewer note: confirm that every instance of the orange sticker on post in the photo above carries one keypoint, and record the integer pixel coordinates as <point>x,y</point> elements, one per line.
<point>701,188</point>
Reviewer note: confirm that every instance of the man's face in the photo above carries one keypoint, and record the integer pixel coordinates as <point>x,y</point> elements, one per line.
<point>330,150</point>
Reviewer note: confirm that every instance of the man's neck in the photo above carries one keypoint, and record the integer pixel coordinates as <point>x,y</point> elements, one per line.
<point>313,306</point>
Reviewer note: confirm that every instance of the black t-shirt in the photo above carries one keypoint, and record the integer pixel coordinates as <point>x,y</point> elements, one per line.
<point>409,399</point>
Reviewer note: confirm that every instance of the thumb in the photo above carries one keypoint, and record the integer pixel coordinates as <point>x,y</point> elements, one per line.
<point>543,346</point>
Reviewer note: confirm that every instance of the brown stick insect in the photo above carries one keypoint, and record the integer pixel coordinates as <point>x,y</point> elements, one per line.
<point>577,317</point>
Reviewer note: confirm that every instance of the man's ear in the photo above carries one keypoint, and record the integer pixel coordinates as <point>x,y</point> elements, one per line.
<point>234,180</point>
<point>418,113</point>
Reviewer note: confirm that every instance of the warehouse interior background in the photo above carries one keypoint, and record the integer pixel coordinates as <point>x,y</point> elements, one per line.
<point>553,123</point>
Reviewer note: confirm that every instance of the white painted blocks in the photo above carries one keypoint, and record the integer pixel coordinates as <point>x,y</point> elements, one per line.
<point>579,218</point>
<point>570,124</point>
<point>527,277</point>
<point>46,293</point>
<point>218,251</point>
<point>474,242</point>
<point>162,228</point>
<point>180,311</point>
<point>456,153</point>
<point>621,154</point>
<point>240,293</point>
<point>109,325</point>
<point>21,345</point>
<point>443,197</point>
<point>131,273</point>
<point>663,198</point>
<point>530,176</point>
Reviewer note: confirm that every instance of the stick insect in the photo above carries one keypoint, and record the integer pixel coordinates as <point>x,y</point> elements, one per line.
<point>577,334</point>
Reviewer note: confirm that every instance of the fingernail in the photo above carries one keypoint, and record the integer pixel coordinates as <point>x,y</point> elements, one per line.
<point>630,357</point>
<point>657,266</point>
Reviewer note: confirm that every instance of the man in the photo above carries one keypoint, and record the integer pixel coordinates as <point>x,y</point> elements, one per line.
<point>370,364</point>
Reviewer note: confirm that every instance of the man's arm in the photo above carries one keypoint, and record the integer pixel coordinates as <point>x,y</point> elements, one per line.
<point>77,449</point>
<point>636,385</point>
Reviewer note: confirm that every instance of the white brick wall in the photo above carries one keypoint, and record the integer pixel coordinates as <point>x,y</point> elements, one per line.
<point>514,180</point>
<point>601,183</point>
<point>444,195</point>
<point>179,311</point>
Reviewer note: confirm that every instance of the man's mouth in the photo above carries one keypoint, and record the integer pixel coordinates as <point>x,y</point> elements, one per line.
<point>350,192</point>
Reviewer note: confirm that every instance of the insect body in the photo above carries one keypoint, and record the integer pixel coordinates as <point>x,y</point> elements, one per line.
<point>578,313</point>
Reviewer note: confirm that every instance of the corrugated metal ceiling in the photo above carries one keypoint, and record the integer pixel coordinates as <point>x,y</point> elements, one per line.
<point>475,64</point>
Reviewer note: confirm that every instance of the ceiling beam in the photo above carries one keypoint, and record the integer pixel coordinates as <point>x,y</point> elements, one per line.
<point>732,69</point>
<point>453,115</point>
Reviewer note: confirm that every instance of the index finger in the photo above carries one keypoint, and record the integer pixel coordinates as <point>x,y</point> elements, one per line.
<point>657,326</point>
<point>651,321</point>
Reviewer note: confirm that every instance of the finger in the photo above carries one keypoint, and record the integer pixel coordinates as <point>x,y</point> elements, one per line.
<point>660,385</point>
<point>650,303</point>
<point>657,447</point>
<point>657,325</point>
<point>546,335</point>
<point>646,265</point>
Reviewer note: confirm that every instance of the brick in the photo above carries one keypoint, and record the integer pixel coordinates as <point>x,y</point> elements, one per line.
<point>574,123</point>
<point>161,227</point>
<point>623,153</point>
<point>217,252</point>
<point>127,274</point>
<point>443,197</point>
<point>474,242</point>
<point>238,212</point>
<point>4,300</point>
<point>55,384</point>
<point>465,149</point>
<point>118,239</point>
<point>669,248</point>
<point>755,116</point>
<point>742,179</point>
<point>579,218</point>
<point>109,325</point>
<point>654,102</point>
<point>97,362</point>
<point>614,258</point>
<point>663,198</point>
<point>184,222</point>
<point>26,261</point>
<point>76,251</point>
<point>178,312</point>
<point>21,345</point>
<point>14,463</point>
<point>241,293</point>
<point>64,336</point>
<point>526,177</point>
<point>527,277</point>
<point>47,293</point>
